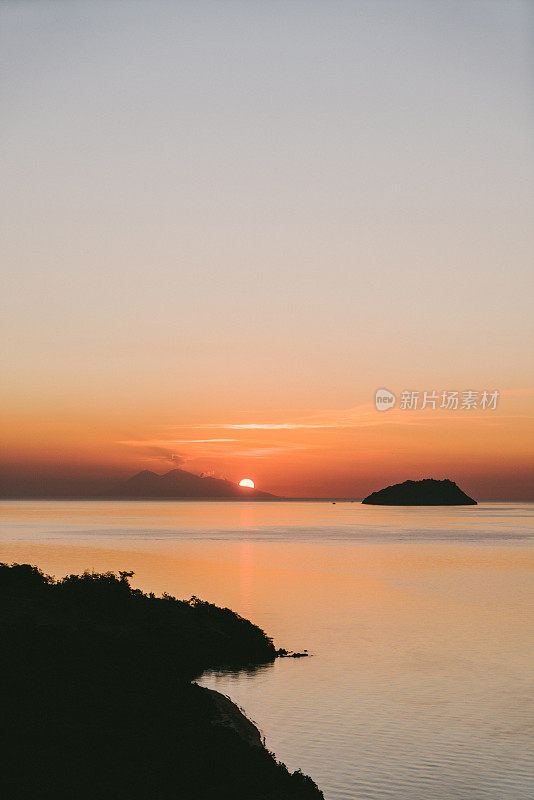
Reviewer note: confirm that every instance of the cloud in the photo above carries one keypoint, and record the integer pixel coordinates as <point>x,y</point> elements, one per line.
<point>277,426</point>
<point>347,418</point>
<point>359,417</point>
<point>160,454</point>
<point>168,442</point>
<point>265,452</point>
<point>366,416</point>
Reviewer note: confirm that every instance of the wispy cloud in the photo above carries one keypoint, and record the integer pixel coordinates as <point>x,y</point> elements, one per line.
<point>359,417</point>
<point>276,426</point>
<point>366,416</point>
<point>168,442</point>
<point>346,418</point>
<point>266,452</point>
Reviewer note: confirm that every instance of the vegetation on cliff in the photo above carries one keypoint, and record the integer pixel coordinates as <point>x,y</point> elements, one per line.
<point>97,699</point>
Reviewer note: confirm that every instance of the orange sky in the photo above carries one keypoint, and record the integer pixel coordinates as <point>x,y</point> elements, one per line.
<point>347,452</point>
<point>222,233</point>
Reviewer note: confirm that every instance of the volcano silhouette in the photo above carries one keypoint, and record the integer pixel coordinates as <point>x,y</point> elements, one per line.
<point>178,483</point>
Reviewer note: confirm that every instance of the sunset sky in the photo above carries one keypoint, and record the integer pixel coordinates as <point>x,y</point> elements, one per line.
<point>226,224</point>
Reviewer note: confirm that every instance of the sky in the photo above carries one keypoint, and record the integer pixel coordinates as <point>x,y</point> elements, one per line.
<point>226,224</point>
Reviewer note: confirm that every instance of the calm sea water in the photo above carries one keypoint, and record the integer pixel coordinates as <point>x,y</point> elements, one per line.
<point>420,622</point>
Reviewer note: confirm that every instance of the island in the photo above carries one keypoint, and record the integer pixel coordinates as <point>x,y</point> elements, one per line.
<point>426,492</point>
<point>99,699</point>
<point>181,484</point>
<point>176,484</point>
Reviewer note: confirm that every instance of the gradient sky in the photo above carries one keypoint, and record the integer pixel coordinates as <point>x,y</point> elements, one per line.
<point>221,214</point>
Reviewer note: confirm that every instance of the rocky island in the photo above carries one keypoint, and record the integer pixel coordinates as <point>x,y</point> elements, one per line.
<point>427,492</point>
<point>98,698</point>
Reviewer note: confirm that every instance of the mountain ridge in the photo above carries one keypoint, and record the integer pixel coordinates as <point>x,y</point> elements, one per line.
<point>181,484</point>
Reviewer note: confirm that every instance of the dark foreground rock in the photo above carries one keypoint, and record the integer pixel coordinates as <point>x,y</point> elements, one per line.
<point>428,492</point>
<point>97,699</point>
<point>282,653</point>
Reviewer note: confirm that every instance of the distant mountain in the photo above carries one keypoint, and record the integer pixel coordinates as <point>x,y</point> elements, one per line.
<point>53,486</point>
<point>428,492</point>
<point>178,483</point>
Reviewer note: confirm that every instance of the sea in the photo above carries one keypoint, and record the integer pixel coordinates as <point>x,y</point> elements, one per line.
<point>419,624</point>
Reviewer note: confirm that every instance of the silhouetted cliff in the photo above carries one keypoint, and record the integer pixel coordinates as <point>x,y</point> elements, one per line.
<point>428,492</point>
<point>97,701</point>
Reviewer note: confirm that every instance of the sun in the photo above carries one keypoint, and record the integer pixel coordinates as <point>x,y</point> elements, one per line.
<point>247,482</point>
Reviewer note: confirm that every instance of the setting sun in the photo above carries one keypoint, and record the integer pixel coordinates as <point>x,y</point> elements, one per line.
<point>247,482</point>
